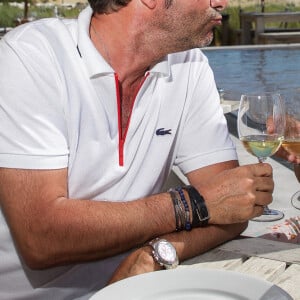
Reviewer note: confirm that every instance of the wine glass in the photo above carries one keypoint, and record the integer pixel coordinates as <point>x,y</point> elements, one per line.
<point>291,142</point>
<point>295,200</point>
<point>257,112</point>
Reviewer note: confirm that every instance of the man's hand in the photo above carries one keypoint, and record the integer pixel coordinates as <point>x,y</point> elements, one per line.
<point>138,262</point>
<point>238,195</point>
<point>292,130</point>
<point>292,158</point>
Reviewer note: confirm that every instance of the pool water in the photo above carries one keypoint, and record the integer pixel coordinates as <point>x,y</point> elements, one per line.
<point>241,70</point>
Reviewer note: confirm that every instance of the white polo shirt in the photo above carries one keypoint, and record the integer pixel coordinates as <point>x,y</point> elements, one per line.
<point>59,107</point>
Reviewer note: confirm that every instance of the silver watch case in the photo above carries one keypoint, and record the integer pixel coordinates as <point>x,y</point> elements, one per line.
<point>164,253</point>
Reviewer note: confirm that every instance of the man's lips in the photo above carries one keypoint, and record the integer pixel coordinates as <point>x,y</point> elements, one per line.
<point>218,21</point>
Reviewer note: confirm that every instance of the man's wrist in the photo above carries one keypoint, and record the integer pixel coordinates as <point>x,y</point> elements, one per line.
<point>189,208</point>
<point>149,259</point>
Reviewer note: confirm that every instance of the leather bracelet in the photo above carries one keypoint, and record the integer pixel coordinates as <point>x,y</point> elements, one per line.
<point>199,209</point>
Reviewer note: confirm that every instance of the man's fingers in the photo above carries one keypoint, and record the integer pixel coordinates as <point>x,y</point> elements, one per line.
<point>257,211</point>
<point>264,184</point>
<point>262,169</point>
<point>263,198</point>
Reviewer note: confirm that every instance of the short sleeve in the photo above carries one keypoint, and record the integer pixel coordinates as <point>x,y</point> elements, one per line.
<point>205,139</point>
<point>33,132</point>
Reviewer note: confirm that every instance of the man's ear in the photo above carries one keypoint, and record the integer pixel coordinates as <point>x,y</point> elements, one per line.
<point>149,3</point>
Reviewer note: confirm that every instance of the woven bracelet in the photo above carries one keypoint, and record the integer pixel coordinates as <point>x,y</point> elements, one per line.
<point>199,209</point>
<point>176,210</point>
<point>188,225</point>
<point>181,210</point>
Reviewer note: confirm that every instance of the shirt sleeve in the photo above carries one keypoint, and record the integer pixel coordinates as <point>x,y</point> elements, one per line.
<point>33,132</point>
<point>205,139</point>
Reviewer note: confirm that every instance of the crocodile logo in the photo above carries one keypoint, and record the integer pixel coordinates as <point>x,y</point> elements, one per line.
<point>163,131</point>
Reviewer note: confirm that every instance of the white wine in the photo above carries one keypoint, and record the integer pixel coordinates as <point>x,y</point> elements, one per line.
<point>292,146</point>
<point>261,145</point>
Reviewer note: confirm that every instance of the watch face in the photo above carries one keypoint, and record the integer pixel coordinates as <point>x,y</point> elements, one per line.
<point>166,252</point>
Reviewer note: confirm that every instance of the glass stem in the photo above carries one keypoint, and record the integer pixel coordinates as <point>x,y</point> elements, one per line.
<point>262,159</point>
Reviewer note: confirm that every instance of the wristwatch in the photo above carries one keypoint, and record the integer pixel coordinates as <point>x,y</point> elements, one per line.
<point>164,253</point>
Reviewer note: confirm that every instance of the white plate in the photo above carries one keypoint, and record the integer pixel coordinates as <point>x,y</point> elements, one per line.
<point>191,284</point>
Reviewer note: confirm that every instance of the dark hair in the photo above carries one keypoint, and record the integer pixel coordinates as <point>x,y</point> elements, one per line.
<point>108,6</point>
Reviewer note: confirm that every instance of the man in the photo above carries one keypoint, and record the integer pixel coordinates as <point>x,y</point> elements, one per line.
<point>94,113</point>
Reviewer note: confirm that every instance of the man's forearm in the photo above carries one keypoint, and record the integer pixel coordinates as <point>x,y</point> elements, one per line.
<point>49,229</point>
<point>84,230</point>
<point>199,240</point>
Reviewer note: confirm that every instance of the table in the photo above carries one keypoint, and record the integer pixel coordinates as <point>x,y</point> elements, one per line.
<point>260,19</point>
<point>229,105</point>
<point>274,261</point>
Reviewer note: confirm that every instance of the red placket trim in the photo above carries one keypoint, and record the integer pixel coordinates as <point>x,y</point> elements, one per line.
<point>122,136</point>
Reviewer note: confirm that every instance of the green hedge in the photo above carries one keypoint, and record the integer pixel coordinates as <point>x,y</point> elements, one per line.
<point>9,14</point>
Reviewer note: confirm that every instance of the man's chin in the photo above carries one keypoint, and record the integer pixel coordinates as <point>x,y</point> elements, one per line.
<point>206,41</point>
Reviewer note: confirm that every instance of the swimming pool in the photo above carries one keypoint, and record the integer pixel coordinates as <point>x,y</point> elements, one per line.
<point>249,69</point>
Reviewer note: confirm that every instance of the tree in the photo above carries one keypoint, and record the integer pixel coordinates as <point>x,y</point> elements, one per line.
<point>26,6</point>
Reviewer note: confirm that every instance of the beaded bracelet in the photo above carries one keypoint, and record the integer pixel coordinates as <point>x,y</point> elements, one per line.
<point>199,209</point>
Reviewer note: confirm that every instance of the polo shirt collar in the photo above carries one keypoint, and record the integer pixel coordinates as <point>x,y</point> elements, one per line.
<point>94,62</point>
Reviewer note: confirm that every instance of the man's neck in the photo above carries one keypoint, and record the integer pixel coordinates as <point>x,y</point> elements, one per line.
<point>121,42</point>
